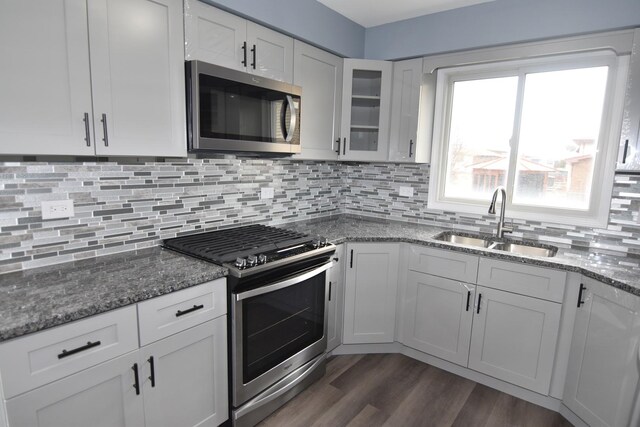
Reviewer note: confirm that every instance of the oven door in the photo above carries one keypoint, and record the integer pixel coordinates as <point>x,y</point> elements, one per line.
<point>277,328</point>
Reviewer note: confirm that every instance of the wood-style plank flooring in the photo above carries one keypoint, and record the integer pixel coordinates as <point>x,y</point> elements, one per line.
<point>394,390</point>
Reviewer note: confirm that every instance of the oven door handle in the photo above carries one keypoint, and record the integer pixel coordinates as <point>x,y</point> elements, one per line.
<point>285,283</point>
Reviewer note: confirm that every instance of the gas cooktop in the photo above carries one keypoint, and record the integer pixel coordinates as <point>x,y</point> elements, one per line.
<point>250,249</point>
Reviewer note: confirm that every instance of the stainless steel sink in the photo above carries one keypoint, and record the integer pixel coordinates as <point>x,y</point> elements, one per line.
<point>488,242</point>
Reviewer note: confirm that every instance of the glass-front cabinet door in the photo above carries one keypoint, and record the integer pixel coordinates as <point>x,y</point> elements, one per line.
<point>366,108</point>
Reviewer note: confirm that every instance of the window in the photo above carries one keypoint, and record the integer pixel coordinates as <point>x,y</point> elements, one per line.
<point>542,128</point>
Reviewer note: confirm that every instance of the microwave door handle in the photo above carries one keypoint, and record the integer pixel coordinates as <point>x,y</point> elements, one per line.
<point>293,119</point>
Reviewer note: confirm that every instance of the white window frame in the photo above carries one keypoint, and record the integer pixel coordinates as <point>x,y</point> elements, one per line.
<point>604,168</point>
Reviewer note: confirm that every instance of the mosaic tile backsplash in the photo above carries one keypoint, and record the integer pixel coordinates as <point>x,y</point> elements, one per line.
<point>126,205</point>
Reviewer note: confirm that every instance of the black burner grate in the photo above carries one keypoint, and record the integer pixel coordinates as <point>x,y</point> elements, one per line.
<point>226,245</point>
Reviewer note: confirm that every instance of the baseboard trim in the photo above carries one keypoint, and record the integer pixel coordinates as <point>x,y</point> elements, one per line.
<point>505,387</point>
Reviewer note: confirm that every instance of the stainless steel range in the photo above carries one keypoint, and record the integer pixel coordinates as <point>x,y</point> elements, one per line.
<point>277,300</point>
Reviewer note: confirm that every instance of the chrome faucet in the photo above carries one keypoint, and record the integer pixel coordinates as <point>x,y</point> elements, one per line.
<point>492,210</point>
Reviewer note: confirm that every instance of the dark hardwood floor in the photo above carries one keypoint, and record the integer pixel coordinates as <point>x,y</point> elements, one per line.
<point>394,390</point>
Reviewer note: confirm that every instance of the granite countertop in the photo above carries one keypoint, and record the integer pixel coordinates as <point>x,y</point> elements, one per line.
<point>39,298</point>
<point>36,299</point>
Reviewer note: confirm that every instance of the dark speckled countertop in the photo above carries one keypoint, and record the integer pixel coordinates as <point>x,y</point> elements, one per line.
<point>39,298</point>
<point>36,299</point>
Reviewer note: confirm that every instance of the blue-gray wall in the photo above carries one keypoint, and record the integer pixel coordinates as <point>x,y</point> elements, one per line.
<point>307,20</point>
<point>496,23</point>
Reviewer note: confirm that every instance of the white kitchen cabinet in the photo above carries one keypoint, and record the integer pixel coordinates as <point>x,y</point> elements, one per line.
<point>438,316</point>
<point>188,384</point>
<point>370,292</point>
<point>102,396</point>
<point>104,77</point>
<point>319,73</point>
<point>404,145</point>
<point>45,89</point>
<point>514,338</point>
<point>602,377</point>
<point>629,152</point>
<point>224,39</point>
<point>335,310</point>
<point>366,103</point>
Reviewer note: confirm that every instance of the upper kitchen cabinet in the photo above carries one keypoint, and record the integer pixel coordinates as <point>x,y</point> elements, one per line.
<point>404,142</point>
<point>366,101</point>
<point>629,153</point>
<point>105,80</point>
<point>319,73</point>
<point>221,38</point>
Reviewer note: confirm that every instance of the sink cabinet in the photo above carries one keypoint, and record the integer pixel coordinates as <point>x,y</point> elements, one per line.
<point>602,378</point>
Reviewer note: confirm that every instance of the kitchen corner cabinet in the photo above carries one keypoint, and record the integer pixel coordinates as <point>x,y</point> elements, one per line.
<point>404,145</point>
<point>319,73</point>
<point>366,103</point>
<point>109,86</point>
<point>335,310</point>
<point>602,377</point>
<point>370,292</point>
<point>629,152</point>
<point>224,39</point>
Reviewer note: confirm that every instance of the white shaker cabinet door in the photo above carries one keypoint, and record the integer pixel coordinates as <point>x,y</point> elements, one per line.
<point>319,73</point>
<point>137,72</point>
<point>438,316</point>
<point>403,138</point>
<point>102,396</point>
<point>185,377</point>
<point>214,36</point>
<point>45,86</point>
<point>270,54</point>
<point>335,281</point>
<point>602,376</point>
<point>514,338</point>
<point>370,292</point>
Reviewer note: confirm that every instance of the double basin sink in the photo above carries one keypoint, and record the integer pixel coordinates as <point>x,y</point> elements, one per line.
<point>488,242</point>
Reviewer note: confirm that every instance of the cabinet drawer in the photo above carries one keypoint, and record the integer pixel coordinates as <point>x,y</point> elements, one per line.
<point>43,357</point>
<point>539,282</point>
<point>443,263</point>
<point>177,311</point>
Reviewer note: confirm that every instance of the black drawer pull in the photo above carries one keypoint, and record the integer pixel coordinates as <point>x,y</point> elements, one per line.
<point>351,261</point>
<point>189,310</point>
<point>329,291</point>
<point>479,299</point>
<point>468,299</point>
<point>582,289</point>
<point>89,345</point>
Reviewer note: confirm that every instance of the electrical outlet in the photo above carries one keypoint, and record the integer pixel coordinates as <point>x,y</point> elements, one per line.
<point>57,209</point>
<point>406,191</point>
<point>266,193</point>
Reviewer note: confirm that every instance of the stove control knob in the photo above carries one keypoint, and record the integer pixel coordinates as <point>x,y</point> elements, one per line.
<point>252,260</point>
<point>323,242</point>
<point>315,243</point>
<point>241,263</point>
<point>262,259</point>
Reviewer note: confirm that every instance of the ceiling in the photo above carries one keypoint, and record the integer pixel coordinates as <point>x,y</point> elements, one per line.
<point>371,13</point>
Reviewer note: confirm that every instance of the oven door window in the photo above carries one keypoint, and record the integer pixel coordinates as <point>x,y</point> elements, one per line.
<point>278,324</point>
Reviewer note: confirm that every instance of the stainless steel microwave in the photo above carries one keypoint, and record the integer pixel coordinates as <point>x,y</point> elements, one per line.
<point>233,111</point>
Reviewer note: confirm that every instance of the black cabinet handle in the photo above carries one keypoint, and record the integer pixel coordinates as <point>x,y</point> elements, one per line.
<point>244,54</point>
<point>468,299</point>
<point>479,299</point>
<point>152,368</point>
<point>330,291</point>
<point>410,148</point>
<point>344,146</point>
<point>351,262</point>
<point>253,51</point>
<point>624,153</point>
<point>336,259</point>
<point>582,289</point>
<point>189,310</point>
<point>68,353</point>
<point>87,137</point>
<point>136,384</point>
<point>105,137</point>
<point>338,142</point>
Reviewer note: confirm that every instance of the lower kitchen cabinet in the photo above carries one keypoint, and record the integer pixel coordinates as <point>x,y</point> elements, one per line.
<point>335,310</point>
<point>102,396</point>
<point>370,292</point>
<point>602,376</point>
<point>438,316</point>
<point>514,338</point>
<point>184,381</point>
